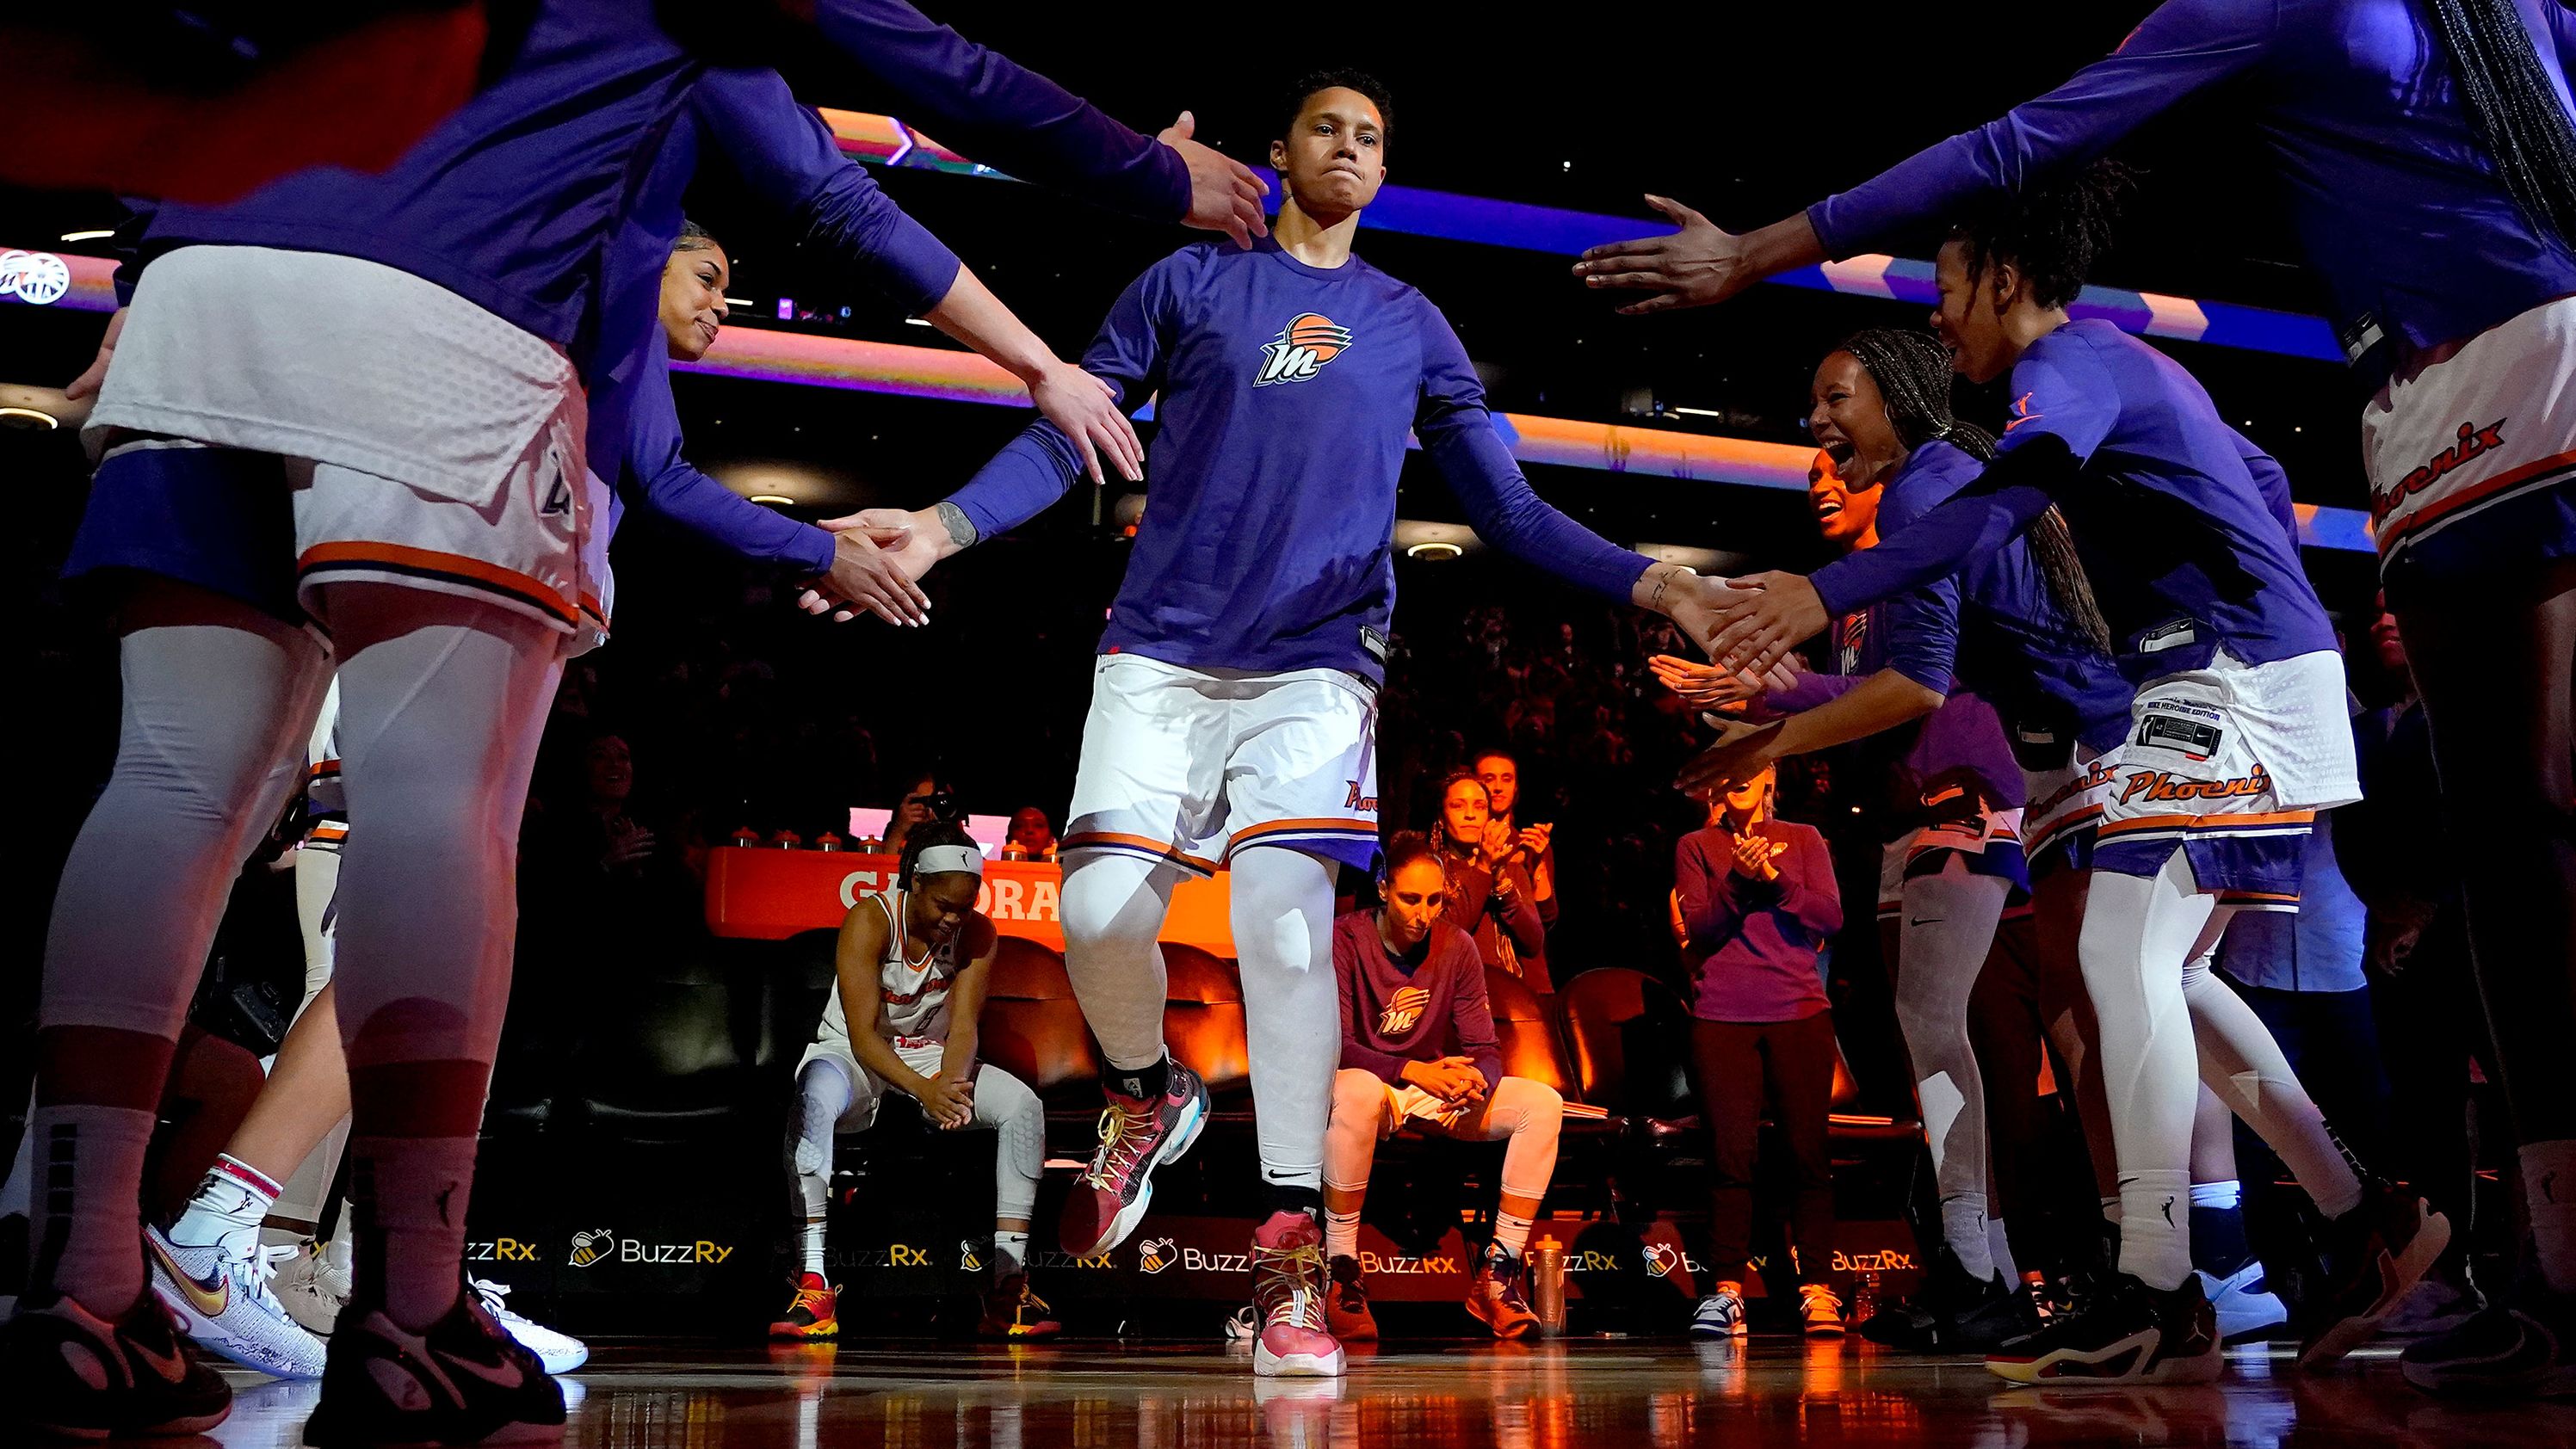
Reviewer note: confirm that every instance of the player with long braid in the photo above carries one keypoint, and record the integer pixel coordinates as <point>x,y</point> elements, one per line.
<point>2427,151</point>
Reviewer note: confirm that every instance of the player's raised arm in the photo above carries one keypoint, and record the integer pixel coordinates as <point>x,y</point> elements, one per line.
<point>2185,46</point>
<point>1035,468</point>
<point>1457,430</point>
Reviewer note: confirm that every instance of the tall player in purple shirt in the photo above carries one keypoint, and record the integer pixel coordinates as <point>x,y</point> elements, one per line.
<point>1234,704</point>
<point>2427,149</point>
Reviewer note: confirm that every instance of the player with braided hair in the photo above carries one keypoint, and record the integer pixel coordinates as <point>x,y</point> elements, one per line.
<point>2234,739</point>
<point>2427,149</point>
<point>1904,671</point>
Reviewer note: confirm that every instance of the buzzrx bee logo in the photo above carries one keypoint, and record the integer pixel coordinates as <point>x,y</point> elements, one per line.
<point>1660,1258</point>
<point>969,1258</point>
<point>1310,340</point>
<point>1154,1255</point>
<point>592,1245</point>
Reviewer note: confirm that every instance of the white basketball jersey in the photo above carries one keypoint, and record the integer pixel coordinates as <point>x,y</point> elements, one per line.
<point>912,996</point>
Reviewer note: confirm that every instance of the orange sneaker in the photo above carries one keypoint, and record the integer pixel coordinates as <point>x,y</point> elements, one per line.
<point>816,1313</point>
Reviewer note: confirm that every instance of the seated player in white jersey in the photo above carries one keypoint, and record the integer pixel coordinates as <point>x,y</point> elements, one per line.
<point>1419,1050</point>
<point>1233,707</point>
<point>913,964</point>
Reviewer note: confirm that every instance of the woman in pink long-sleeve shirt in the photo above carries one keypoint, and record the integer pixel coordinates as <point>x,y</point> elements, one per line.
<point>1758,904</point>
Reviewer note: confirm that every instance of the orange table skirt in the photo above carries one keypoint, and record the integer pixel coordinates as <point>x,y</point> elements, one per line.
<point>767,894</point>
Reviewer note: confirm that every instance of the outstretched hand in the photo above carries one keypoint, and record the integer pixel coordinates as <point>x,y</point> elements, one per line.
<point>1224,194</point>
<point>1707,686</point>
<point>1765,617</point>
<point>877,555</point>
<point>1694,267</point>
<point>1086,410</point>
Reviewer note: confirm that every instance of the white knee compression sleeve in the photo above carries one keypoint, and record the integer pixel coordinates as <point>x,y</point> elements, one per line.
<point>2241,1062</point>
<point>1112,908</point>
<point>209,744</point>
<point>1947,925</point>
<point>1004,1103</point>
<point>2137,937</point>
<point>1531,1116</point>
<point>822,1095</point>
<point>438,733</point>
<point>1283,938</point>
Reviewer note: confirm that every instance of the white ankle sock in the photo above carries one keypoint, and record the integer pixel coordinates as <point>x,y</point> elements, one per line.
<point>812,1188</point>
<point>234,1199</point>
<point>1999,1248</point>
<point>1963,1227</point>
<point>1511,1234</point>
<point>90,1161</point>
<point>1012,1249</point>
<point>1342,1233</point>
<point>2155,1227</point>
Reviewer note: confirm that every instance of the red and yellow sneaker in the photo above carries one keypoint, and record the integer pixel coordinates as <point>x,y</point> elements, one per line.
<point>1289,1285</point>
<point>816,1313</point>
<point>1012,1311</point>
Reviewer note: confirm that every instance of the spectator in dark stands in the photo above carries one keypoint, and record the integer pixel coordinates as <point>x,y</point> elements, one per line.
<point>1500,774</point>
<point>1489,883</point>
<point>1419,1048</point>
<point>930,797</point>
<point>1758,903</point>
<point>1031,835</point>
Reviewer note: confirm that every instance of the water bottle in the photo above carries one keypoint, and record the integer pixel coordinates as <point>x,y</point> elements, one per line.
<point>1547,1286</point>
<point>1864,1304</point>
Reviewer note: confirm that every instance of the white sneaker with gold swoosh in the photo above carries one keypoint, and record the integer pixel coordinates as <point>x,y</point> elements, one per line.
<point>220,1293</point>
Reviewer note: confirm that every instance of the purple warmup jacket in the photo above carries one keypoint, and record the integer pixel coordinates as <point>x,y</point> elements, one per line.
<point>1754,943</point>
<point>1418,1007</point>
<point>2397,203</point>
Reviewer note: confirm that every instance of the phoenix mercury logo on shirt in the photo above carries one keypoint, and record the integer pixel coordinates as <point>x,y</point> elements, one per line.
<point>1402,1011</point>
<point>1310,340</point>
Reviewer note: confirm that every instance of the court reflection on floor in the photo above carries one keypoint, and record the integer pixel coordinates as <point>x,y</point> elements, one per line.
<point>1586,1394</point>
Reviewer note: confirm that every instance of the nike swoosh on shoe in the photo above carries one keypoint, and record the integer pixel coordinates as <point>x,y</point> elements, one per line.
<point>209,1296</point>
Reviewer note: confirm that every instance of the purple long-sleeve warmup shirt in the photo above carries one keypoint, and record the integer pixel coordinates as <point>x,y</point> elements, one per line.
<point>1754,943</point>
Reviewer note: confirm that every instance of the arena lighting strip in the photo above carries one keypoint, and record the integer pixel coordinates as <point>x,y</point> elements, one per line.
<point>930,372</point>
<point>1450,216</point>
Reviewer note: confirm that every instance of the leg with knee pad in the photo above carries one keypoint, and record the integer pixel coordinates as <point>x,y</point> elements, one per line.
<point>1005,1103</point>
<point>1282,910</point>
<point>1112,908</point>
<point>1948,927</point>
<point>2137,937</point>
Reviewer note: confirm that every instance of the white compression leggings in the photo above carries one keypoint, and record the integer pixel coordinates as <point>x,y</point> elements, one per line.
<point>2166,1023</point>
<point>439,722</point>
<point>1002,1102</point>
<point>1282,914</point>
<point>1945,929</point>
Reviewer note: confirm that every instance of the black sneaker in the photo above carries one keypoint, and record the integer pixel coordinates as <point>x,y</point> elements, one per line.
<point>1952,1313</point>
<point>464,1381</point>
<point>74,1375</point>
<point>2517,1351</point>
<point>2377,1253</point>
<point>2124,1333</point>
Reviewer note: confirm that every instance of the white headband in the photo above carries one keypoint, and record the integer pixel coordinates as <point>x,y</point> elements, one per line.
<point>943,859</point>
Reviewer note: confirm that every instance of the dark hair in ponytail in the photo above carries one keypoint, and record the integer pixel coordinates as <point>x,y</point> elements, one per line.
<point>1913,376</point>
<point>2513,107</point>
<point>2053,232</point>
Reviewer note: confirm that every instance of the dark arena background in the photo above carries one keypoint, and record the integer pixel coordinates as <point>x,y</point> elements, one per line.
<point>633,1186</point>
